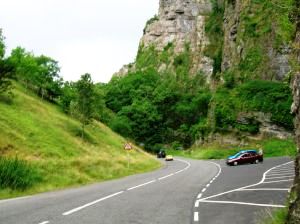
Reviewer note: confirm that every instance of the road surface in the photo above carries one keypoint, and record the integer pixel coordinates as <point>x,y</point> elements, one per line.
<point>183,191</point>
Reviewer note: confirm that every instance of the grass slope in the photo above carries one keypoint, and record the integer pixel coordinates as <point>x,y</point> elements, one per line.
<point>39,133</point>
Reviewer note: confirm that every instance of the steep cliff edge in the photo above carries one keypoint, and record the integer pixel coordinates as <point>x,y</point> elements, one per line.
<point>294,209</point>
<point>177,31</point>
<point>257,39</point>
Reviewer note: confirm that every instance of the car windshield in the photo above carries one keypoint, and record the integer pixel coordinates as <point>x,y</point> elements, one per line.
<point>237,155</point>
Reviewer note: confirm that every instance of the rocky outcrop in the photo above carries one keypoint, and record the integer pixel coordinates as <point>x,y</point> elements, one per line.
<point>243,39</point>
<point>266,128</point>
<point>179,22</point>
<point>294,209</point>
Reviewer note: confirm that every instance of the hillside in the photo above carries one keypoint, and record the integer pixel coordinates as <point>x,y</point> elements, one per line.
<point>223,68</point>
<point>41,134</point>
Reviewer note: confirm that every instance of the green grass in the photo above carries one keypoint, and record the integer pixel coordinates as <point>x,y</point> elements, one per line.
<point>271,148</point>
<point>38,133</point>
<point>279,216</point>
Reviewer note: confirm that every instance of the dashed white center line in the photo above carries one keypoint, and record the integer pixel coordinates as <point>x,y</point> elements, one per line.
<point>90,204</point>
<point>207,185</point>
<point>199,196</point>
<point>45,222</point>
<point>203,190</point>
<point>196,216</point>
<point>141,185</point>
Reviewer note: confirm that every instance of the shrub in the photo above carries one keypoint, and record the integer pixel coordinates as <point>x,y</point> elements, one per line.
<point>17,174</point>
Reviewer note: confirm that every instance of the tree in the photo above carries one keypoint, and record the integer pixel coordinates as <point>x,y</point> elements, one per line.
<point>38,73</point>
<point>6,70</point>
<point>83,105</point>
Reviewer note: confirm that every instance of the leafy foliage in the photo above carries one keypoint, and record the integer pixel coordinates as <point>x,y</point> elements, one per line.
<point>157,110</point>
<point>82,107</point>
<point>38,73</point>
<point>6,70</point>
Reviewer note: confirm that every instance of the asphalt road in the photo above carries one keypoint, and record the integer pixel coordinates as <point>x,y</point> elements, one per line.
<point>184,191</point>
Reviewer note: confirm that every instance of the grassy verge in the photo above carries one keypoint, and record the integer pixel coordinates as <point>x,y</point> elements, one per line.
<point>47,141</point>
<point>271,148</point>
<point>277,217</point>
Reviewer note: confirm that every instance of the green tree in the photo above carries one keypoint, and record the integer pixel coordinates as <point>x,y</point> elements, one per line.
<point>84,103</point>
<point>38,73</point>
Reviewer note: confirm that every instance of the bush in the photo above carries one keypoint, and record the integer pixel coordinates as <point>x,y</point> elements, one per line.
<point>17,174</point>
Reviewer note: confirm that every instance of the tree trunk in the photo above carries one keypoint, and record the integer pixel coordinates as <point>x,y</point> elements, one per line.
<point>82,132</point>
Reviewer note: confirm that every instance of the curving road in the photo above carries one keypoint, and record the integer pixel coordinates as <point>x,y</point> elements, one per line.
<point>184,191</point>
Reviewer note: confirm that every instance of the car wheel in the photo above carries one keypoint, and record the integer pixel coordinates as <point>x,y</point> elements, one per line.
<point>235,163</point>
<point>256,161</point>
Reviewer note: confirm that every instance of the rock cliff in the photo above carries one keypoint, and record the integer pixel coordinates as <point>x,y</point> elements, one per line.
<point>294,209</point>
<point>179,23</point>
<point>228,42</point>
<point>257,39</point>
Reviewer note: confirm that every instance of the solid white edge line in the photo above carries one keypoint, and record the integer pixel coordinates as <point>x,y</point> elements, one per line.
<point>164,177</point>
<point>277,181</point>
<point>141,185</point>
<point>91,203</point>
<point>45,222</point>
<point>265,189</point>
<point>14,199</point>
<point>271,178</point>
<point>244,203</point>
<point>248,186</point>
<point>196,216</point>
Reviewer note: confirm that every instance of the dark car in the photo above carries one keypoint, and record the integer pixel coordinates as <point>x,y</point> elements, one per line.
<point>161,154</point>
<point>245,156</point>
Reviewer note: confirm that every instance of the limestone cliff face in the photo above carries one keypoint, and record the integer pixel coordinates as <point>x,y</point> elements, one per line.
<point>252,32</point>
<point>180,23</point>
<point>294,209</point>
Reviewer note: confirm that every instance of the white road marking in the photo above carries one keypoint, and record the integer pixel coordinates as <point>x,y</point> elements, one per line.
<point>244,203</point>
<point>283,170</point>
<point>91,203</point>
<point>204,189</point>
<point>120,192</point>
<point>196,217</point>
<point>141,185</point>
<point>271,178</point>
<point>265,189</point>
<point>179,171</point>
<point>14,199</point>
<point>248,186</point>
<point>45,222</point>
<point>277,181</point>
<point>164,177</point>
<point>278,174</point>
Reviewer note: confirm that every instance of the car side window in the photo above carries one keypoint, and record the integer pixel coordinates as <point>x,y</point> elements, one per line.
<point>245,156</point>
